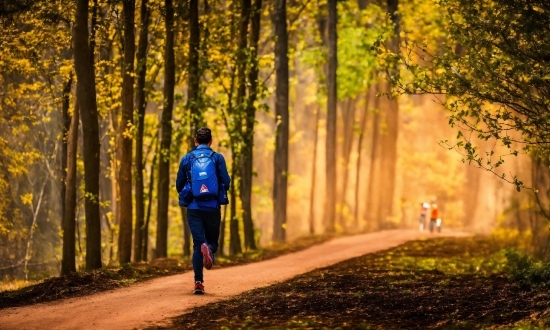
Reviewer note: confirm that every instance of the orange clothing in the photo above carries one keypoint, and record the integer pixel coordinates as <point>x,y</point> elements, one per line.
<point>434,214</point>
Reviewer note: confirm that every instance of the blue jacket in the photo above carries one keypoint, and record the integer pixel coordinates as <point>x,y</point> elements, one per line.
<point>183,175</point>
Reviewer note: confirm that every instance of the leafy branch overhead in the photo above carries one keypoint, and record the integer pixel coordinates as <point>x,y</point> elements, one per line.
<point>492,72</point>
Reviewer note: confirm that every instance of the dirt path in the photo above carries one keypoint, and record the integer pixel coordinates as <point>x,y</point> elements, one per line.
<point>154,302</point>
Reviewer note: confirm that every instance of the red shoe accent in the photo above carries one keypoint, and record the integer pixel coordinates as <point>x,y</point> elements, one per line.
<point>199,288</point>
<point>206,256</point>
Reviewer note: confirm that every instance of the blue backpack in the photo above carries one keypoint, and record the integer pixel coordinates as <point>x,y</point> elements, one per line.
<point>204,176</point>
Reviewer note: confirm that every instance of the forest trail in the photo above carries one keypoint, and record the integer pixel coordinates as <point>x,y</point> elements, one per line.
<point>155,302</point>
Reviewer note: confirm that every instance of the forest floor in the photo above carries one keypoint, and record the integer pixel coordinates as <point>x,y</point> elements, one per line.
<point>86,283</point>
<point>442,283</point>
<point>158,301</point>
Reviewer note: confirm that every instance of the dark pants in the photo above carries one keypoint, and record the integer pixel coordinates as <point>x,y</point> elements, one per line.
<point>432,225</point>
<point>205,228</point>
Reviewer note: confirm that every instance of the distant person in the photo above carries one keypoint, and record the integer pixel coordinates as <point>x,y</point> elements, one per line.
<point>202,183</point>
<point>434,215</point>
<point>424,207</point>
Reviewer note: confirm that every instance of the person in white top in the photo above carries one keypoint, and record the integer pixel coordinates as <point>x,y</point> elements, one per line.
<point>424,207</point>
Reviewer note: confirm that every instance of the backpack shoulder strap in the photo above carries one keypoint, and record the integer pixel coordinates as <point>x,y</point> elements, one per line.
<point>190,164</point>
<point>215,160</point>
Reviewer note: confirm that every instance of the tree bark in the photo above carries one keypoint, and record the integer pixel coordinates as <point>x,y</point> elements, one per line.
<point>86,98</point>
<point>246,163</point>
<point>193,97</point>
<point>364,118</point>
<point>331,180</point>
<point>161,248</point>
<point>69,216</point>
<point>280,175</point>
<point>115,140</point>
<point>234,237</point>
<point>392,10</point>
<point>314,174</point>
<point>389,108</point>
<point>150,203</point>
<point>348,119</point>
<point>35,212</point>
<point>64,139</point>
<point>371,211</point>
<point>193,90</point>
<point>141,105</point>
<point>471,194</point>
<point>242,58</point>
<point>125,170</point>
<point>221,246</point>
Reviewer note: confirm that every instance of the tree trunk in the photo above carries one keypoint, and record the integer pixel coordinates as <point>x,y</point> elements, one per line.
<point>364,118</point>
<point>372,204</point>
<point>125,136</point>
<point>141,105</point>
<point>193,98</point>
<point>392,10</point>
<point>68,263</point>
<point>246,169</point>
<point>389,108</point>
<point>314,174</point>
<point>246,192</point>
<point>221,246</point>
<point>64,139</point>
<point>331,182</point>
<point>348,119</point>
<point>471,194</point>
<point>150,203</point>
<point>35,212</point>
<point>280,175</point>
<point>362,4</point>
<point>86,98</point>
<point>255,30</point>
<point>322,26</point>
<point>234,238</point>
<point>194,70</point>
<point>161,248</point>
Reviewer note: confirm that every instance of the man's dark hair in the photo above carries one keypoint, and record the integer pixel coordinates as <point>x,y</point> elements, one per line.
<point>203,135</point>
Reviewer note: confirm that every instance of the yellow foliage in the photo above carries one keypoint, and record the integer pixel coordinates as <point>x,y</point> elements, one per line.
<point>26,199</point>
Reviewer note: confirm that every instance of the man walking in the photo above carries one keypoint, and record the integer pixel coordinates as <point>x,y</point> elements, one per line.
<point>202,183</point>
<point>434,215</point>
<point>424,207</point>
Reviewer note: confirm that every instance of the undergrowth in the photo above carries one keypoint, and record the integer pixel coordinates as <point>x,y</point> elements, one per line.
<point>526,272</point>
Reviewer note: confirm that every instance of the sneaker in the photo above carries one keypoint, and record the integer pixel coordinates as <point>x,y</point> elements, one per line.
<point>199,288</point>
<point>207,259</point>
